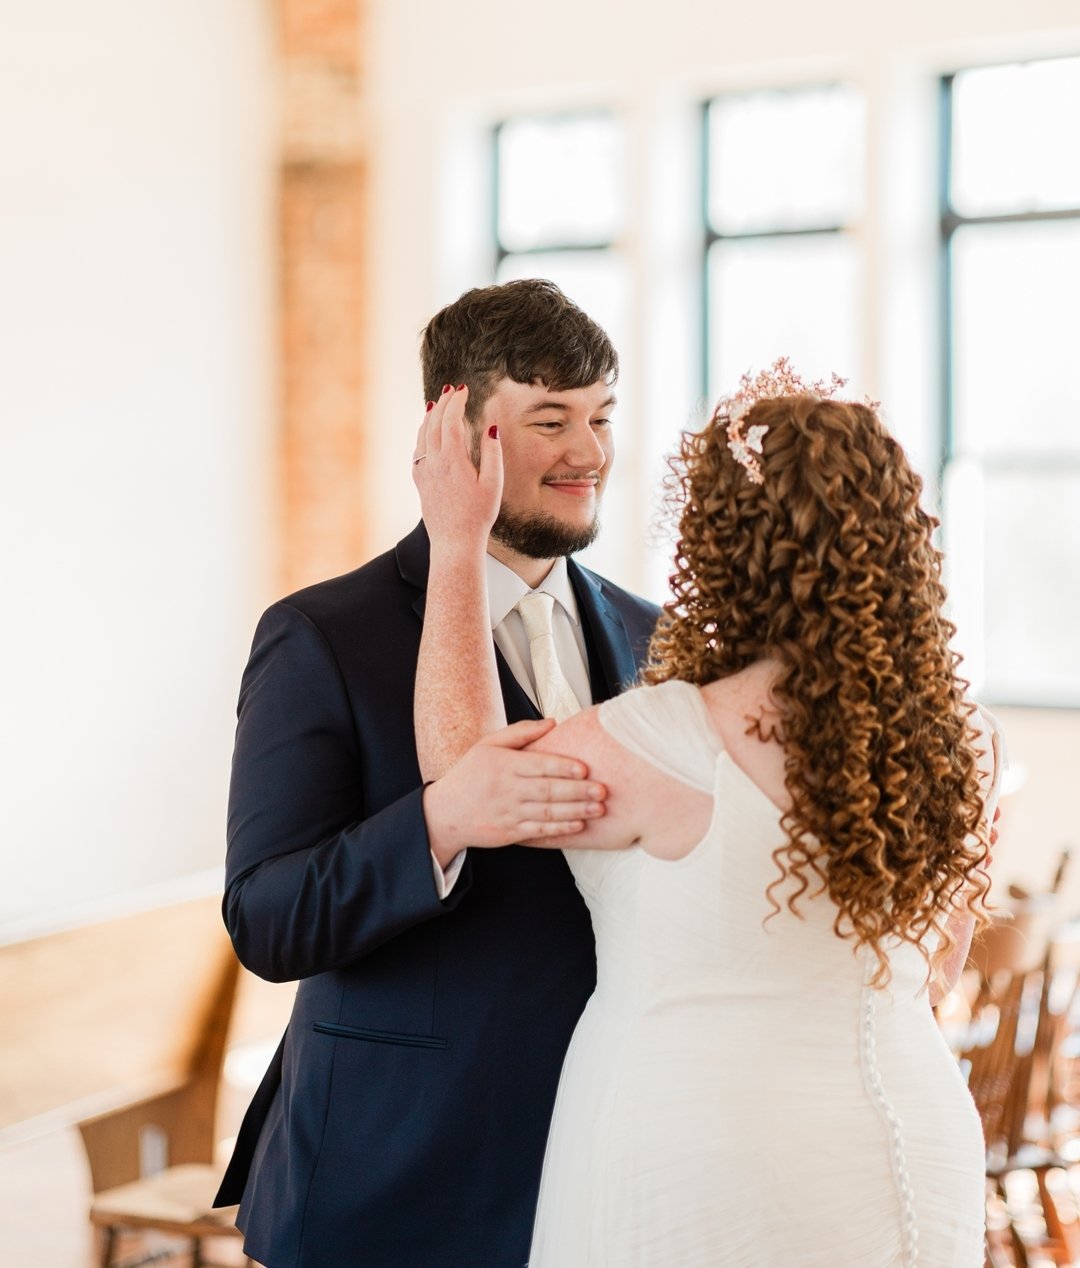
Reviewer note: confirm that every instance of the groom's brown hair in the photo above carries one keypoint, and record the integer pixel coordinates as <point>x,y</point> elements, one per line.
<point>526,331</point>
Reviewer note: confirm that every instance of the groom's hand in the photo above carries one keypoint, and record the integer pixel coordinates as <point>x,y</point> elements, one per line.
<point>498,795</point>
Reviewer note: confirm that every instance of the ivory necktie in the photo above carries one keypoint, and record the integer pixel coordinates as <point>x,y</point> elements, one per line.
<point>556,696</point>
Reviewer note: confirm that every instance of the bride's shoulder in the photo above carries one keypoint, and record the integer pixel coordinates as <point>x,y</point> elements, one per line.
<point>642,726</point>
<point>657,714</point>
<point>586,736</point>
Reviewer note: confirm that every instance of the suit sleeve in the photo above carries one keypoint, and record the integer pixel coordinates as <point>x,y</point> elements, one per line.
<point>310,884</point>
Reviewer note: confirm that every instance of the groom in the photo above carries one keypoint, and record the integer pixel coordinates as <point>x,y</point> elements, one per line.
<point>442,968</point>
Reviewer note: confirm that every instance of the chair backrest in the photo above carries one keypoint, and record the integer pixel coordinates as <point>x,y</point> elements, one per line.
<point>176,1125</point>
<point>991,1054</point>
<point>1014,1036</point>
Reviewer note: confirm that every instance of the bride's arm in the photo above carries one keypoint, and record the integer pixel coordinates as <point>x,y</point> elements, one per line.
<point>466,752</point>
<point>960,927</point>
<point>457,699</point>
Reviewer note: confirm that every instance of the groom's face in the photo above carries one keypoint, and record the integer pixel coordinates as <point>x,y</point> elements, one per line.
<point>557,451</point>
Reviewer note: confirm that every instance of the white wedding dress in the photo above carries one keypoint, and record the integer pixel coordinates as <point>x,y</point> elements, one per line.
<point>735,1093</point>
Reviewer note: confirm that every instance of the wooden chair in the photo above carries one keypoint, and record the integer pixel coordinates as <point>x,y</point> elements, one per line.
<point>1018,1020</point>
<point>176,1201</point>
<point>176,1125</point>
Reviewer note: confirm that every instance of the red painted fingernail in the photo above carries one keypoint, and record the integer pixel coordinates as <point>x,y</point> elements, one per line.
<point>446,388</point>
<point>429,407</point>
<point>493,432</point>
<point>461,387</point>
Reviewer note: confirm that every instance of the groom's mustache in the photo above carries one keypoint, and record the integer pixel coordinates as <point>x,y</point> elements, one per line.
<point>572,477</point>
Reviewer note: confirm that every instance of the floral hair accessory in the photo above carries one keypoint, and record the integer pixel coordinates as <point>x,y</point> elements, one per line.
<point>779,380</point>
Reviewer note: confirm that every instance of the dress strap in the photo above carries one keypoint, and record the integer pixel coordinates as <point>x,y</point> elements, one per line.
<point>668,726</point>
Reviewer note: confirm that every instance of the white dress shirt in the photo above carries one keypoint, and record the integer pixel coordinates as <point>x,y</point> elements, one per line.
<point>505,588</point>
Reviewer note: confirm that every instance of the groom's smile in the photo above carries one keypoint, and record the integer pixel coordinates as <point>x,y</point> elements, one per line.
<point>575,486</point>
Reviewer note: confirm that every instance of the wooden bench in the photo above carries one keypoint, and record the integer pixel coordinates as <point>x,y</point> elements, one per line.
<point>121,1026</point>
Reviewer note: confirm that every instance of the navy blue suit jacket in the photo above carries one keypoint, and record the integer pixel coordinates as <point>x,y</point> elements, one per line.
<point>402,1122</point>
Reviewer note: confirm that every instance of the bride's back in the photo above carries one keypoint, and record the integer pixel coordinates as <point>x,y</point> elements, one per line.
<point>726,1055</point>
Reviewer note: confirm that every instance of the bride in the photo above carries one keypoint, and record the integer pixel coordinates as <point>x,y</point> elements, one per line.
<point>789,867</point>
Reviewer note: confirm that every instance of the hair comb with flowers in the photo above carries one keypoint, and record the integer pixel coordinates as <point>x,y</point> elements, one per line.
<point>779,380</point>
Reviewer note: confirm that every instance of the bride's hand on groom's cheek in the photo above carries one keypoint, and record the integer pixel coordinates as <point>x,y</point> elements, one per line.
<point>458,474</point>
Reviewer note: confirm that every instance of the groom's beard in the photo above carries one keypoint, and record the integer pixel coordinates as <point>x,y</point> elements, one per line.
<point>534,536</point>
<point>542,536</point>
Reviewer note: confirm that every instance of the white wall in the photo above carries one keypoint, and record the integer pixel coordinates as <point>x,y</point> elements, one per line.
<point>136,425</point>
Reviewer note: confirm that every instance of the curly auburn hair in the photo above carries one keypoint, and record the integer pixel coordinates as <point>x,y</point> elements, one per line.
<point>828,568</point>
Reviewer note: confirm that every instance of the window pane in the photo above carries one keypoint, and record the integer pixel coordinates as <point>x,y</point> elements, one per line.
<point>1015,338</point>
<point>785,160</point>
<point>560,181</point>
<point>793,297</point>
<point>597,281</point>
<point>1014,141</point>
<point>1014,559</point>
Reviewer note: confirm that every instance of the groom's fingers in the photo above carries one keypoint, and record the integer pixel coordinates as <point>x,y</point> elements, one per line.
<point>520,735</point>
<point>560,811</point>
<point>541,788</point>
<point>540,833</point>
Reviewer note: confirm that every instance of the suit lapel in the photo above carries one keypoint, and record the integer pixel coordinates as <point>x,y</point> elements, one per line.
<point>611,659</point>
<point>413,555</point>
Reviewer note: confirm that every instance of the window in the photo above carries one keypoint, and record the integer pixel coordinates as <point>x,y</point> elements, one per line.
<point>1011,452</point>
<point>783,190</point>
<point>560,195</point>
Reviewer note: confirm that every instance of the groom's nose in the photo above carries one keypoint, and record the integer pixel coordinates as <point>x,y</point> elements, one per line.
<point>584,452</point>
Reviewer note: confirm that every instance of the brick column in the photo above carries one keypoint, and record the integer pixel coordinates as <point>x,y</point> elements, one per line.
<point>323,309</point>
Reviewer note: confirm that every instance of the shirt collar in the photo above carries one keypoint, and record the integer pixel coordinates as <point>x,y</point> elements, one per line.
<point>505,588</point>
